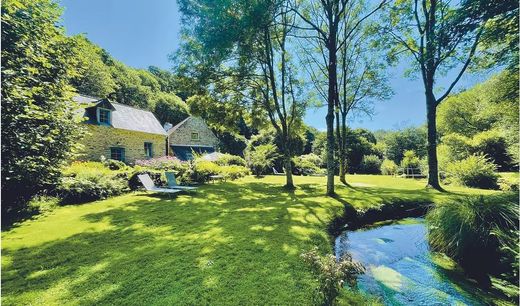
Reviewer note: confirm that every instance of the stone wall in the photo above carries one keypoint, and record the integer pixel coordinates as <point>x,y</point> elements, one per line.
<point>182,135</point>
<point>99,139</point>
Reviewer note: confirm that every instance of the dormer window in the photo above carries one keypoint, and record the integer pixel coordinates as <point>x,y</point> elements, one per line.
<point>103,116</point>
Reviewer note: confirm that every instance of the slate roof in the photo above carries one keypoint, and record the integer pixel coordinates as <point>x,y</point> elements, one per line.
<point>135,119</point>
<point>178,125</point>
<point>127,117</point>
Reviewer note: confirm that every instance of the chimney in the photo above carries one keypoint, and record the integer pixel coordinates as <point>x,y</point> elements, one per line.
<point>167,126</point>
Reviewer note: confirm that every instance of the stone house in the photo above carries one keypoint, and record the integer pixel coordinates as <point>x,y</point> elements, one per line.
<point>119,131</point>
<point>190,135</point>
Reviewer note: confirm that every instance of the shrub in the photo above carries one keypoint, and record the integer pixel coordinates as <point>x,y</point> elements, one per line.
<point>156,166</point>
<point>262,158</point>
<point>388,167</point>
<point>113,164</point>
<point>89,181</point>
<point>508,184</point>
<point>332,273</point>
<point>161,163</point>
<point>228,160</point>
<point>371,164</point>
<point>474,171</point>
<point>43,203</point>
<point>480,233</point>
<point>410,160</point>
<point>308,164</point>
<point>90,188</point>
<point>203,169</point>
<point>87,168</point>
<point>493,144</point>
<point>233,172</point>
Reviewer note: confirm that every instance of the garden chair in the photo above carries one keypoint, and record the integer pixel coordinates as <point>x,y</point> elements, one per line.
<point>277,173</point>
<point>172,182</point>
<point>150,186</point>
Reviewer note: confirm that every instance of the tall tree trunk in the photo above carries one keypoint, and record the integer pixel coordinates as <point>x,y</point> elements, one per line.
<point>332,98</point>
<point>343,150</point>
<point>288,170</point>
<point>433,165</point>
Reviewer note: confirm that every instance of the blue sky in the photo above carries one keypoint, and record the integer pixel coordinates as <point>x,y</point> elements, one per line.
<point>142,33</point>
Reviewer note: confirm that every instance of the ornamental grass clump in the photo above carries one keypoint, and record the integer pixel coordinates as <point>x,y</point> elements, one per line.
<point>332,274</point>
<point>480,233</point>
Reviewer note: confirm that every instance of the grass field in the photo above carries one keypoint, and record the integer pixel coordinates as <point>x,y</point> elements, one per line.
<point>231,243</point>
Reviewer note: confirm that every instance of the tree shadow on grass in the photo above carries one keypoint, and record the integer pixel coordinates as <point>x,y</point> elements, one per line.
<point>226,244</point>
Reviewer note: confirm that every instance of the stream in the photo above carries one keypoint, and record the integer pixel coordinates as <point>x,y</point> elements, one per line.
<point>400,268</point>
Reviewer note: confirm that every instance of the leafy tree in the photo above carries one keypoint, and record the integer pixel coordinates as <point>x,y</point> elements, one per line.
<point>94,77</point>
<point>359,143</point>
<point>362,80</point>
<point>248,64</point>
<point>166,79</point>
<point>410,160</point>
<point>395,143</point>
<point>129,88</point>
<point>261,158</point>
<point>39,129</point>
<point>489,106</point>
<point>231,143</point>
<point>325,19</point>
<point>440,36</point>
<point>170,108</point>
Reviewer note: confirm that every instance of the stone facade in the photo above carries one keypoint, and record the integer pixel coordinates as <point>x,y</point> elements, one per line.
<point>99,139</point>
<point>181,134</point>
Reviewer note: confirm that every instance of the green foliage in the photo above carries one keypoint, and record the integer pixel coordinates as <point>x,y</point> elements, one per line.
<point>231,143</point>
<point>233,172</point>
<point>371,164</point>
<point>478,232</point>
<point>474,171</point>
<point>157,177</point>
<point>228,160</point>
<point>113,164</point>
<point>39,129</point>
<point>161,163</point>
<point>308,164</point>
<point>89,181</point>
<point>332,274</point>
<point>360,142</point>
<point>395,143</point>
<point>203,169</point>
<point>94,77</point>
<point>156,167</point>
<point>410,160</point>
<point>42,204</point>
<point>170,108</point>
<point>388,167</point>
<point>261,158</point>
<point>486,113</point>
<point>245,222</point>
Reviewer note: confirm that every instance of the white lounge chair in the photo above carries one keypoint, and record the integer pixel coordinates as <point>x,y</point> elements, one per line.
<point>277,173</point>
<point>150,186</point>
<point>172,182</point>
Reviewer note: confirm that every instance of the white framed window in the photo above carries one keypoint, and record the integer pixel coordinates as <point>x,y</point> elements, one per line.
<point>195,136</point>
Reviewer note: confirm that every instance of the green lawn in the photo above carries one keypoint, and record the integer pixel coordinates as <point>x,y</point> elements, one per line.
<point>231,243</point>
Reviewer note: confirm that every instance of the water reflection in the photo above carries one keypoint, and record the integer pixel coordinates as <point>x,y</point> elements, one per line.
<point>399,265</point>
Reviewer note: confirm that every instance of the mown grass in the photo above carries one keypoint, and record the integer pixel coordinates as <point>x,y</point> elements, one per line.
<point>235,243</point>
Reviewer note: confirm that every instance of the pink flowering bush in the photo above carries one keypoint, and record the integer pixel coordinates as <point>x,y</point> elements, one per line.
<point>161,163</point>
